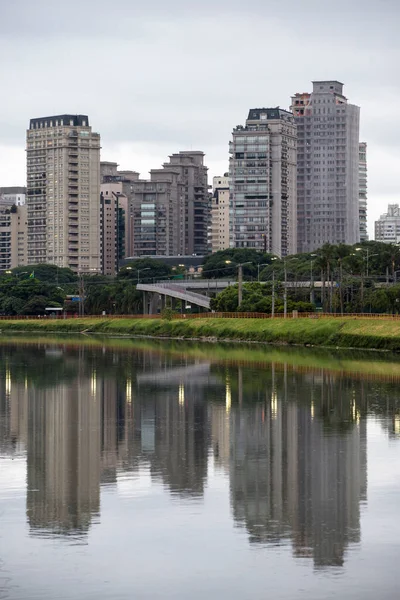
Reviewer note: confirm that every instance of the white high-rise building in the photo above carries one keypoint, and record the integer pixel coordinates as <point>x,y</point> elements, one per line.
<point>327,167</point>
<point>387,228</point>
<point>263,182</point>
<point>63,191</point>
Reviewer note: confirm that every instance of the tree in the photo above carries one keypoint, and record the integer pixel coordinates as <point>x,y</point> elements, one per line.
<point>147,268</point>
<point>223,264</point>
<point>47,273</point>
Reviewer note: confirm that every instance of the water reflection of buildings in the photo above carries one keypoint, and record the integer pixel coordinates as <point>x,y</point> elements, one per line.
<point>293,445</point>
<point>173,431</point>
<point>291,475</point>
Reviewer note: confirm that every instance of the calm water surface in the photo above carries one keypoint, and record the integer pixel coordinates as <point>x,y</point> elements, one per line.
<point>151,472</point>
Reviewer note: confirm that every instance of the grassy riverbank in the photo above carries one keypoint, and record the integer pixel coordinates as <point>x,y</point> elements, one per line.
<point>342,332</point>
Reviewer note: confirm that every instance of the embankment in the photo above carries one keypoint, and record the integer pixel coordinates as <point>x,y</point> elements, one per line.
<point>346,332</point>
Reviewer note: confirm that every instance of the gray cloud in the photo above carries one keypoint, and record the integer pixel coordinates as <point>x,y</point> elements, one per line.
<point>157,77</point>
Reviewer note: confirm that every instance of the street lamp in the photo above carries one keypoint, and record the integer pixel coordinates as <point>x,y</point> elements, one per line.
<point>258,270</point>
<point>273,290</point>
<point>368,256</point>
<point>312,278</point>
<point>141,271</point>
<point>285,288</point>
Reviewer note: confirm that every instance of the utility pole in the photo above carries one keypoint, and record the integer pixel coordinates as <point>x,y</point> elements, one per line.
<point>273,295</point>
<point>285,292</point>
<point>240,284</point>
<point>240,281</point>
<point>341,286</point>
<point>81,296</point>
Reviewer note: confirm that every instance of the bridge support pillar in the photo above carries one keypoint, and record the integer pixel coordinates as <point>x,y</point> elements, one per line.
<point>145,303</point>
<point>153,304</point>
<point>162,297</point>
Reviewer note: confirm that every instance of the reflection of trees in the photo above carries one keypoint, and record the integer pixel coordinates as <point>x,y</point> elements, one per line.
<point>292,441</point>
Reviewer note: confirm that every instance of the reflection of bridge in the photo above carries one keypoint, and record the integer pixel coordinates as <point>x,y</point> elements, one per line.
<point>191,375</point>
<point>196,291</point>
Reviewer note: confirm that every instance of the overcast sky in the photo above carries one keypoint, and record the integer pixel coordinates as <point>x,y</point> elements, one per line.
<point>158,77</point>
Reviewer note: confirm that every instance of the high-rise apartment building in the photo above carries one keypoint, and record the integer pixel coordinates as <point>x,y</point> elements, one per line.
<point>156,207</point>
<point>327,167</point>
<point>387,228</point>
<point>193,175</point>
<point>362,193</point>
<point>109,174</point>
<point>13,235</point>
<point>263,182</point>
<point>219,226</point>
<point>168,214</point>
<point>63,190</point>
<point>113,221</point>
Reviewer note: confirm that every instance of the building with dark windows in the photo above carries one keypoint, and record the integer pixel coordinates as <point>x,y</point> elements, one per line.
<point>63,189</point>
<point>328,202</point>
<point>263,182</point>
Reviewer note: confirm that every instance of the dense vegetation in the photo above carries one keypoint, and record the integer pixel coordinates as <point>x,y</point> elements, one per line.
<point>341,279</point>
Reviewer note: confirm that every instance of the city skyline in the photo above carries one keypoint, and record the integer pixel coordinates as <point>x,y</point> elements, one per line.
<point>158,111</point>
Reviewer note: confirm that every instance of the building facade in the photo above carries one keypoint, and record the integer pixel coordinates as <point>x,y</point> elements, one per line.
<point>196,200</point>
<point>13,235</point>
<point>113,221</point>
<point>328,167</point>
<point>387,228</point>
<point>219,226</point>
<point>14,195</point>
<point>157,211</point>
<point>363,188</point>
<point>168,214</point>
<point>263,182</point>
<point>63,190</point>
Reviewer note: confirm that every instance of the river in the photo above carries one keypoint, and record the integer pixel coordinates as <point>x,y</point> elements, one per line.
<point>132,469</point>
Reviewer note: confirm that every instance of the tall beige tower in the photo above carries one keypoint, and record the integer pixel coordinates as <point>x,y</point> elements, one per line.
<point>219,228</point>
<point>63,191</point>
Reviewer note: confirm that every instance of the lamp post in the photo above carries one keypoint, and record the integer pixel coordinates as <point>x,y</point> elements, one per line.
<point>141,271</point>
<point>368,255</point>
<point>258,270</point>
<point>312,279</point>
<point>240,279</point>
<point>285,287</point>
<point>273,291</point>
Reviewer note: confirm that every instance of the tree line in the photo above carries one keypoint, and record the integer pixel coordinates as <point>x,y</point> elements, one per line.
<point>342,279</point>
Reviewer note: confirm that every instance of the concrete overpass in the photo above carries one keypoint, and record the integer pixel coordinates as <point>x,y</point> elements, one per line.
<point>198,291</point>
